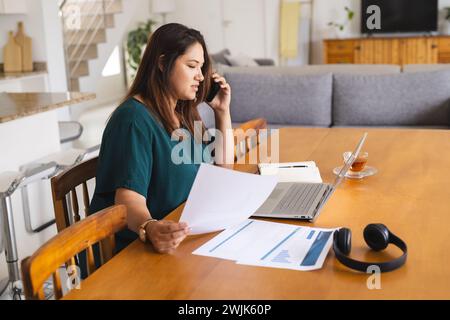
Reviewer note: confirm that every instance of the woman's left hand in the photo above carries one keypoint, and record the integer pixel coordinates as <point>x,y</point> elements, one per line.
<point>221,102</point>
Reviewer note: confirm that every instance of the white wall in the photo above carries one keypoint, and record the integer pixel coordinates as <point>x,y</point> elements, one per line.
<point>244,31</point>
<point>53,45</point>
<point>272,20</point>
<point>249,27</point>
<point>202,15</point>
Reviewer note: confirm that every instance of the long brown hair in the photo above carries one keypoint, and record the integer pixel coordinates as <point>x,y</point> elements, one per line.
<point>152,84</point>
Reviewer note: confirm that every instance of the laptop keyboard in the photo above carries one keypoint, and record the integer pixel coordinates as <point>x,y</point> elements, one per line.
<point>299,197</point>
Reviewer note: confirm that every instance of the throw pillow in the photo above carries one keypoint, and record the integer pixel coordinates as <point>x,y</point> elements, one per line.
<point>219,57</point>
<point>240,60</point>
<point>280,98</point>
<point>408,99</point>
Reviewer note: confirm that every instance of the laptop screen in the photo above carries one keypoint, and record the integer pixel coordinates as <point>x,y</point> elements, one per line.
<point>349,162</point>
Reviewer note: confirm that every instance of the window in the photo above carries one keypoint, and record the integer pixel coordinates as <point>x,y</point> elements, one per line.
<point>112,66</point>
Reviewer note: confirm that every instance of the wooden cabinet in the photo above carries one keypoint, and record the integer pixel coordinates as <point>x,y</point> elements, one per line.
<point>444,50</point>
<point>13,7</point>
<point>418,50</point>
<point>377,51</point>
<point>411,50</point>
<point>339,51</point>
<point>341,47</point>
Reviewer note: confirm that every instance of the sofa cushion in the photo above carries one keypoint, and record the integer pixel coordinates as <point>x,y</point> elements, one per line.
<point>283,99</point>
<point>240,60</point>
<point>397,99</point>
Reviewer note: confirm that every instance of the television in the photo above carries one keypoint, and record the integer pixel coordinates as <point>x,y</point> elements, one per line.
<point>400,16</point>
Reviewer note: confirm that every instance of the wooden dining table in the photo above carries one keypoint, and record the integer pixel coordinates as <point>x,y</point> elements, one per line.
<point>410,194</point>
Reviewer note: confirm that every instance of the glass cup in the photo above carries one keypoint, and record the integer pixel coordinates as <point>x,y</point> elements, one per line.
<point>359,163</point>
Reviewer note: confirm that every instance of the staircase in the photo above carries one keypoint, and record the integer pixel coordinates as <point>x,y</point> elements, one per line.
<point>84,26</point>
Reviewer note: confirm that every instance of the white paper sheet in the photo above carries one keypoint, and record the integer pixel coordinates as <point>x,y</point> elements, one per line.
<point>221,198</point>
<point>270,244</point>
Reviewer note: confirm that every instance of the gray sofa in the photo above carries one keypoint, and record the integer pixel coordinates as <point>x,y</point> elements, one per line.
<point>340,95</point>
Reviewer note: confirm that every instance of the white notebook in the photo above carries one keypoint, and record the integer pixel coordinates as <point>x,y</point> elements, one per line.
<point>306,171</point>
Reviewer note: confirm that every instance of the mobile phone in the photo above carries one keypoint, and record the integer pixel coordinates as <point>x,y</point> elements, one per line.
<point>213,90</point>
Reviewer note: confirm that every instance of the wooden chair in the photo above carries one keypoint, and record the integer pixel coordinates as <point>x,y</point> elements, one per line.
<point>250,141</point>
<point>65,245</point>
<point>67,211</point>
<point>65,201</point>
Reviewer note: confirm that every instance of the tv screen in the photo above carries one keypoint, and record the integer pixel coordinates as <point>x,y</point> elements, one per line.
<point>400,16</point>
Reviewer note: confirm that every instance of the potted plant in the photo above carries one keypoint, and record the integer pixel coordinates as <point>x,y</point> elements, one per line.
<point>339,28</point>
<point>446,24</point>
<point>134,48</point>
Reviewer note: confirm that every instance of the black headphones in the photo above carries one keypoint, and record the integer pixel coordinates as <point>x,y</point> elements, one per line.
<point>377,237</point>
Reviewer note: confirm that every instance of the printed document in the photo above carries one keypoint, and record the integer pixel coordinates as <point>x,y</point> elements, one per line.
<point>270,244</point>
<point>221,198</point>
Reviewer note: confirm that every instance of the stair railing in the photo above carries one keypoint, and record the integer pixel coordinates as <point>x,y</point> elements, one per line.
<point>77,38</point>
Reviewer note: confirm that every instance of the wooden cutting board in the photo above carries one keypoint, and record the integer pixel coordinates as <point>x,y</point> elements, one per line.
<point>12,55</point>
<point>25,44</point>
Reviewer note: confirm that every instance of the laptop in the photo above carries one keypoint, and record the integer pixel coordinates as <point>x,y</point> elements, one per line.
<point>301,200</point>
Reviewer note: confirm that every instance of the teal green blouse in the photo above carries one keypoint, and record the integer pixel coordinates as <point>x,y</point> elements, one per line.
<point>136,154</point>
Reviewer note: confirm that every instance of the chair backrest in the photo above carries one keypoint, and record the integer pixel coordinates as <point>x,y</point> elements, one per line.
<point>65,200</point>
<point>63,247</point>
<point>251,139</point>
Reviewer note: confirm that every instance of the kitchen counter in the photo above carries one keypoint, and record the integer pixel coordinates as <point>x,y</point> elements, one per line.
<point>29,127</point>
<point>18,105</point>
<point>19,75</point>
<point>39,68</point>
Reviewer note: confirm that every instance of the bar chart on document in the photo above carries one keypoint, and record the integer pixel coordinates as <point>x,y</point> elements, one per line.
<point>271,244</point>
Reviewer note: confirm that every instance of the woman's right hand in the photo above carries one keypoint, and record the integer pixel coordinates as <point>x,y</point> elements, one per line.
<point>166,235</point>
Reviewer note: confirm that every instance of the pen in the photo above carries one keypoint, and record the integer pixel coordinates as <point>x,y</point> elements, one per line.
<point>294,167</point>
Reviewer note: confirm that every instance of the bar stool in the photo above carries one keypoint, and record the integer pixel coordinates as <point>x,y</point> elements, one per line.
<point>68,158</point>
<point>64,159</point>
<point>69,130</point>
<point>9,183</point>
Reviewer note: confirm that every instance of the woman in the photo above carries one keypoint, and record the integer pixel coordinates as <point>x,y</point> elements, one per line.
<point>135,166</point>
